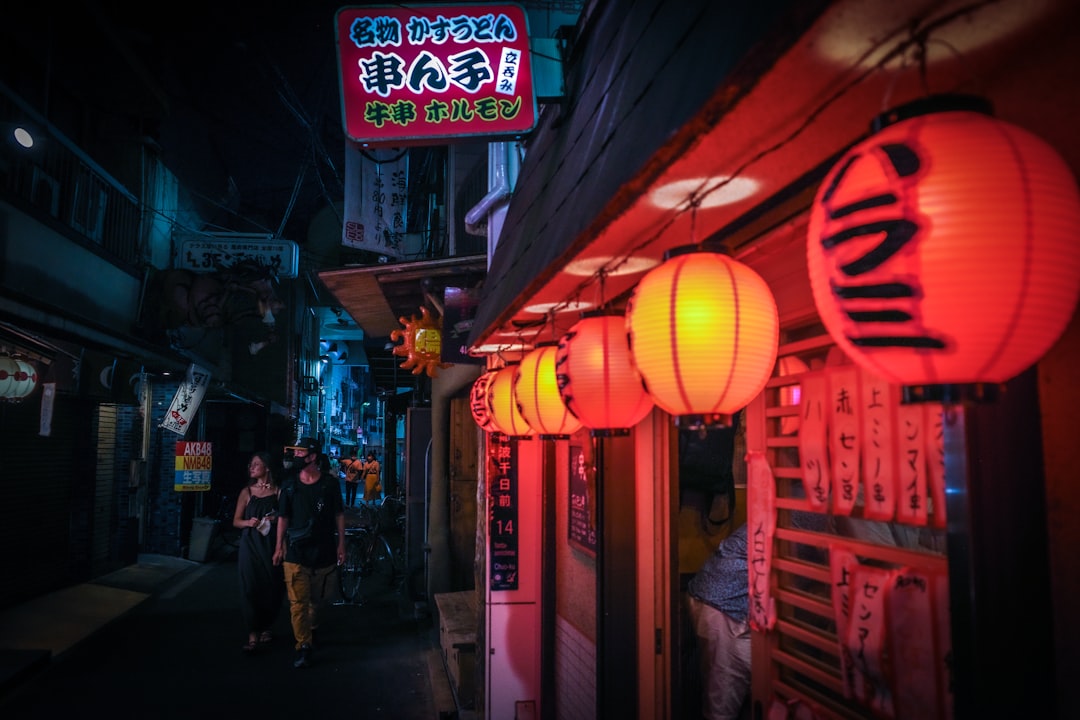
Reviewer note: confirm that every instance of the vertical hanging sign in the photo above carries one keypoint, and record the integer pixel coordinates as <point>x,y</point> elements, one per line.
<point>376,192</point>
<point>502,512</point>
<point>187,400</point>
<point>413,73</point>
<point>581,523</point>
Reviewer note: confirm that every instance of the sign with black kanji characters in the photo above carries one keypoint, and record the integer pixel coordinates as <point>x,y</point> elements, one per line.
<point>187,400</point>
<point>419,72</point>
<point>581,523</point>
<point>502,512</point>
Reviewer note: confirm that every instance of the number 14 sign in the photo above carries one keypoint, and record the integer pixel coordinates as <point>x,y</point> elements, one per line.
<point>502,512</point>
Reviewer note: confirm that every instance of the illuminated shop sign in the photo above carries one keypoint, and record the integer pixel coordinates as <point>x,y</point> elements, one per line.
<point>422,72</point>
<point>211,253</point>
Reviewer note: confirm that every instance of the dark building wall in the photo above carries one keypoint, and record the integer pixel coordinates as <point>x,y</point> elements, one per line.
<point>42,516</point>
<point>165,505</point>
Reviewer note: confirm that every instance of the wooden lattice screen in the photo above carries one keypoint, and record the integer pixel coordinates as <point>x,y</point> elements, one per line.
<point>798,663</point>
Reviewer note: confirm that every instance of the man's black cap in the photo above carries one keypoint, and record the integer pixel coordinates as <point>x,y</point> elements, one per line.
<point>311,445</point>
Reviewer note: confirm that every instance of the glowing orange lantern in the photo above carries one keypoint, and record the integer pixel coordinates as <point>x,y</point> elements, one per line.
<point>703,332</point>
<point>18,378</point>
<point>506,416</point>
<point>538,397</point>
<point>478,401</point>
<point>596,376</point>
<point>942,250</point>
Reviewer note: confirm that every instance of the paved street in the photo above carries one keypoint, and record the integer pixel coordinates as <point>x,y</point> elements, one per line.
<point>177,655</point>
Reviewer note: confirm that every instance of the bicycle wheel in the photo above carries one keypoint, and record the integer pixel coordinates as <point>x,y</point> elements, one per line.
<point>381,575</point>
<point>357,548</point>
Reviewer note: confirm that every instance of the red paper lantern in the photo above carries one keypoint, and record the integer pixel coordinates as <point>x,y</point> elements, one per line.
<point>943,249</point>
<point>597,378</point>
<point>703,332</point>
<point>506,416</point>
<point>478,401</point>
<point>537,392</point>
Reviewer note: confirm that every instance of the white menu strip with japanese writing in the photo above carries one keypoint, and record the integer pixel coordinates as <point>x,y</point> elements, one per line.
<point>813,441</point>
<point>761,527</point>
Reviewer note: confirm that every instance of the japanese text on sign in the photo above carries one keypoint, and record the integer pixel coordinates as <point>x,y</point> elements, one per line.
<point>215,253</point>
<point>186,401</point>
<point>502,512</point>
<point>581,525</point>
<point>376,201</point>
<point>194,461</point>
<point>417,72</point>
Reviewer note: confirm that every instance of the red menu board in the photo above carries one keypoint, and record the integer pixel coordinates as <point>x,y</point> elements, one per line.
<point>414,74</point>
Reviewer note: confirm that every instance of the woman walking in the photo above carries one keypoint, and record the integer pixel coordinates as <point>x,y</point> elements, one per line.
<point>372,485</point>
<point>262,584</point>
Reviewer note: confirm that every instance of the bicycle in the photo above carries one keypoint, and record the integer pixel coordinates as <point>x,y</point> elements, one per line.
<point>224,538</point>
<point>392,513</point>
<point>371,561</point>
<point>227,533</point>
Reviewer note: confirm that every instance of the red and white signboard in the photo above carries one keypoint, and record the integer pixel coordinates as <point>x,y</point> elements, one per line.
<point>412,74</point>
<point>186,401</point>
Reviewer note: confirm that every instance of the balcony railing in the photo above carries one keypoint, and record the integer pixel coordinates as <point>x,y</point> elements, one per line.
<point>57,182</point>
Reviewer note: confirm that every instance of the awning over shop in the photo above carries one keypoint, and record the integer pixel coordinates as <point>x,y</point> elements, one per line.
<point>377,296</point>
<point>645,82</point>
<point>741,110</point>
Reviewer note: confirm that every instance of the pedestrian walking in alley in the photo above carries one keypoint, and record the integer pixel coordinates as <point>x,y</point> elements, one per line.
<point>352,466</point>
<point>372,481</point>
<point>262,582</point>
<point>311,513</point>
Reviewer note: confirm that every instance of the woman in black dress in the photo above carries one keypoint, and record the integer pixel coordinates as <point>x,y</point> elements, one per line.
<point>262,584</point>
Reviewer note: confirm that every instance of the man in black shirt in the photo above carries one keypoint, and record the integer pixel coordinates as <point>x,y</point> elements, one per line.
<point>311,512</point>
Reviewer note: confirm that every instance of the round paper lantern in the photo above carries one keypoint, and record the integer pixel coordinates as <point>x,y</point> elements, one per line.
<point>506,417</point>
<point>25,379</point>
<point>596,376</point>
<point>8,369</point>
<point>538,397</point>
<point>943,249</point>
<point>18,378</point>
<point>478,401</point>
<point>703,332</point>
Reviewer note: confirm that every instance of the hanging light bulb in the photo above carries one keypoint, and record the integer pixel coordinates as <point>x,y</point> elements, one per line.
<point>506,417</point>
<point>596,376</point>
<point>942,250</point>
<point>537,392</point>
<point>703,333</point>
